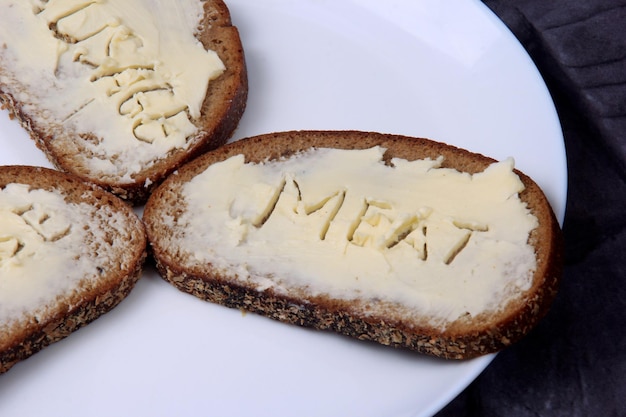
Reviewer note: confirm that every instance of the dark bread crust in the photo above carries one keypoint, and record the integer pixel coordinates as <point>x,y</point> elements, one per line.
<point>223,107</point>
<point>70,312</point>
<point>462,339</point>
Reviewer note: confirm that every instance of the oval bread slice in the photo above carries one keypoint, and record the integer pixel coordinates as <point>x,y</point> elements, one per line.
<point>369,316</point>
<point>69,252</point>
<point>123,163</point>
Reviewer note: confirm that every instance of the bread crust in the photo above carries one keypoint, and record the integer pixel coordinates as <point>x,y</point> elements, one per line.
<point>36,330</point>
<point>461,339</point>
<point>223,107</point>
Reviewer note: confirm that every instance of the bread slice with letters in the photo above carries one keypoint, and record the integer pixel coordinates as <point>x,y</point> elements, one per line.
<point>403,241</point>
<point>69,252</point>
<point>121,93</point>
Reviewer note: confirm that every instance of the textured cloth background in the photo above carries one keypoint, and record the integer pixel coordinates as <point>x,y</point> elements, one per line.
<point>574,362</point>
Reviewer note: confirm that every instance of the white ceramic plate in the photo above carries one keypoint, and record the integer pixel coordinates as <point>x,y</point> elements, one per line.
<point>445,70</point>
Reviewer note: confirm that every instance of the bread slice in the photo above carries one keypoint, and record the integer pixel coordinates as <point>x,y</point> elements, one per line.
<point>52,79</point>
<point>197,259</point>
<point>69,252</point>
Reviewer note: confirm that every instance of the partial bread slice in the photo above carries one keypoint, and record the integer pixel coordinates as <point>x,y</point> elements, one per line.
<point>368,318</point>
<point>69,252</point>
<point>73,149</point>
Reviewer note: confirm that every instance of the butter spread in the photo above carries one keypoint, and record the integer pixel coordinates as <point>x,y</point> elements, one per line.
<point>346,224</point>
<point>43,252</point>
<point>128,72</point>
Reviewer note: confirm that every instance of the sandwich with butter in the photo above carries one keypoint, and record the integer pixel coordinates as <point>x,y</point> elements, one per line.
<point>69,252</point>
<point>122,92</point>
<point>403,241</point>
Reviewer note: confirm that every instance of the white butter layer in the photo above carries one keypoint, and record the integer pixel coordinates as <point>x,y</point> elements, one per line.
<point>343,223</point>
<point>43,254</point>
<point>129,72</point>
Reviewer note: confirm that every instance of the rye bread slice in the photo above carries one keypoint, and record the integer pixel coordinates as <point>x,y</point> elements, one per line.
<point>69,149</point>
<point>388,323</point>
<point>103,246</point>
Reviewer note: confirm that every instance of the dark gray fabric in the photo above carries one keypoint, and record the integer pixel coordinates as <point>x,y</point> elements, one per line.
<point>574,362</point>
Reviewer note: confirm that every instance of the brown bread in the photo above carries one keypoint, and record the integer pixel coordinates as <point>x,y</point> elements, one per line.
<point>109,258</point>
<point>69,150</point>
<point>388,323</point>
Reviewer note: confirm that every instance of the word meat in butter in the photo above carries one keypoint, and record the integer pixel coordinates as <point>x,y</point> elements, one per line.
<point>128,74</point>
<point>40,240</point>
<point>345,223</point>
